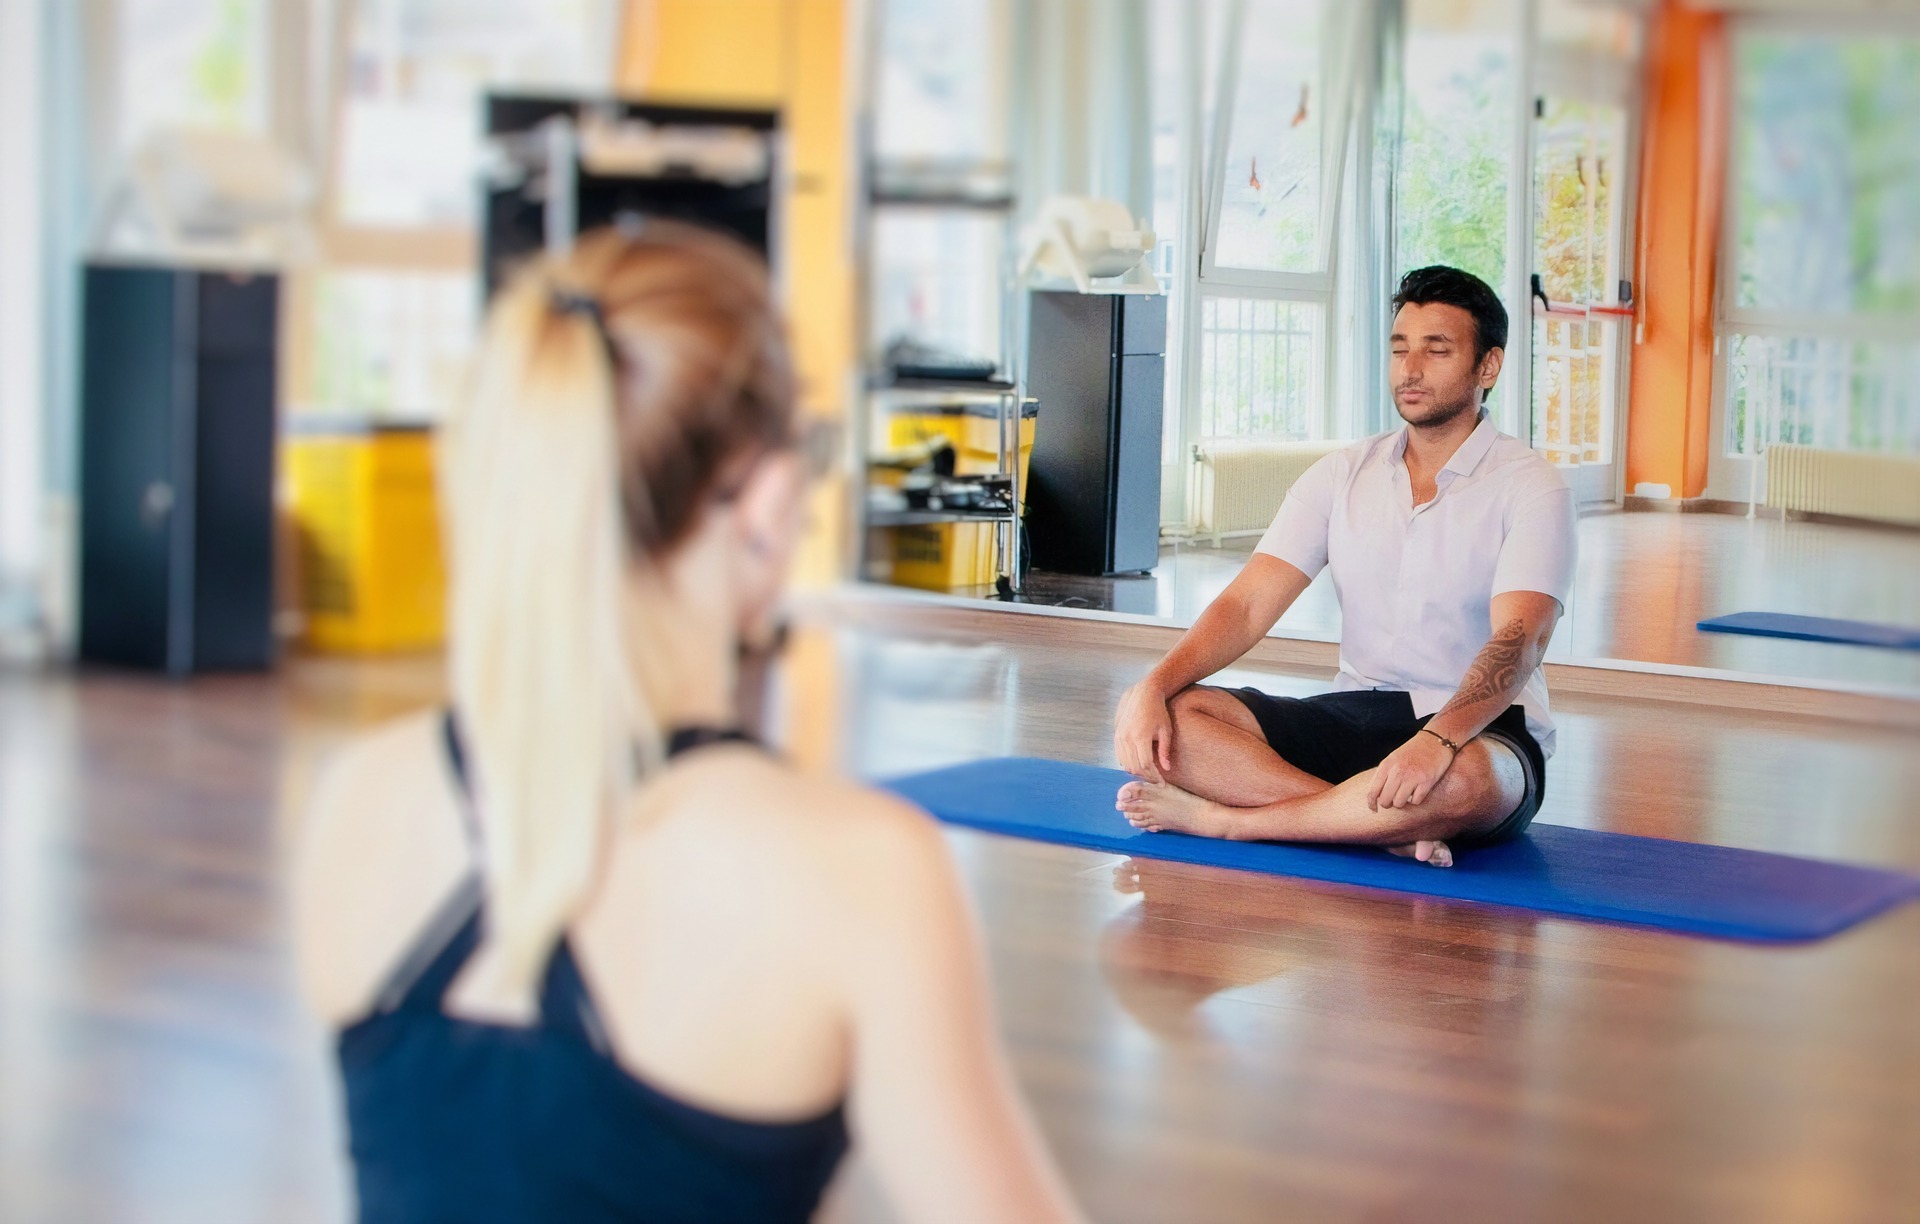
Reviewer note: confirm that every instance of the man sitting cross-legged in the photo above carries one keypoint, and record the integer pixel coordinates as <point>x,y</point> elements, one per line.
<point>1452,551</point>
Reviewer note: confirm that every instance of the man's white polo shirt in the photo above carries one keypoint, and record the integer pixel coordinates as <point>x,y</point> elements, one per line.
<point>1416,585</point>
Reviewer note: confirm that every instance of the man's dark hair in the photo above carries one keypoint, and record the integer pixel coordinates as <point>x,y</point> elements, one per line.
<point>1452,287</point>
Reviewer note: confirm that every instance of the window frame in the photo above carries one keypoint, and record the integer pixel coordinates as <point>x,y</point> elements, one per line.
<point>1206,277</point>
<point>1255,282</point>
<point>345,244</point>
<point>1595,79</point>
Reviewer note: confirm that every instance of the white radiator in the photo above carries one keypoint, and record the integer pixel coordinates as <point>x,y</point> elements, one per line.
<point>1884,487</point>
<point>1237,486</point>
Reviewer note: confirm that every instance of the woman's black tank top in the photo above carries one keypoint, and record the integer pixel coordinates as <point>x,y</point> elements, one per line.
<point>458,1120</point>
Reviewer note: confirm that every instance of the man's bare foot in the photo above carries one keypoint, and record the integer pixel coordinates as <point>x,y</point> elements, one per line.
<point>1161,807</point>
<point>1432,853</point>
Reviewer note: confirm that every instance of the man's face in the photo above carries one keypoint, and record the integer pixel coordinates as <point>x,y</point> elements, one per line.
<point>1431,370</point>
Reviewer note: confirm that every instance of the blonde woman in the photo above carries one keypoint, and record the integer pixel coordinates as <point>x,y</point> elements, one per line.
<point>592,953</point>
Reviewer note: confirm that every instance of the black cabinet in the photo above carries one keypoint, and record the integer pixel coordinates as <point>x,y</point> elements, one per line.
<point>176,468</point>
<point>522,211</point>
<point>1097,364</point>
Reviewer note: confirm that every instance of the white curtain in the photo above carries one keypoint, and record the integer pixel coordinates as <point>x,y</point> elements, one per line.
<point>1083,116</point>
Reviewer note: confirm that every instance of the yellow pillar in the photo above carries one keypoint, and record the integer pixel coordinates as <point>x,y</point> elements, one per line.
<point>789,55</point>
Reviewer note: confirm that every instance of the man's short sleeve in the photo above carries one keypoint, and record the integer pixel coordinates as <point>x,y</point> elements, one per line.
<point>1298,533</point>
<point>1538,551</point>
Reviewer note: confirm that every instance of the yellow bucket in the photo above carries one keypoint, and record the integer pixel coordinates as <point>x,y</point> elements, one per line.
<point>976,439</point>
<point>372,579</point>
<point>942,556</point>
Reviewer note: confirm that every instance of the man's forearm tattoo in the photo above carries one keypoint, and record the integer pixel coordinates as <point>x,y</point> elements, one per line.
<point>1496,669</point>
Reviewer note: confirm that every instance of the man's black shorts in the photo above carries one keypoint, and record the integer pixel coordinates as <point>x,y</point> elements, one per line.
<point>1334,736</point>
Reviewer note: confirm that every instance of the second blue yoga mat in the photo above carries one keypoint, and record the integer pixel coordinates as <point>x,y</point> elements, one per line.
<point>1679,886</point>
<point>1814,629</point>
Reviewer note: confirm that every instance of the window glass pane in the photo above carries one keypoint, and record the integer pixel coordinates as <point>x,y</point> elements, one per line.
<point>1835,393</point>
<point>1578,154</point>
<point>1578,157</point>
<point>1270,188</point>
<point>942,81</point>
<point>1827,195</point>
<point>1456,144</point>
<point>416,70</point>
<point>1574,388</point>
<point>193,64</point>
<point>390,346</point>
<point>937,280</point>
<point>1260,368</point>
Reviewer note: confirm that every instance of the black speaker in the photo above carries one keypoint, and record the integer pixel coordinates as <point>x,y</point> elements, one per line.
<point>177,468</point>
<point>1097,364</point>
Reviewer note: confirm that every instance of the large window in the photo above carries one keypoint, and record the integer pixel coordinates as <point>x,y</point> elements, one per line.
<point>1821,304</point>
<point>1825,391</point>
<point>1455,164</point>
<point>1453,172</point>
<point>1579,161</point>
<point>1291,71</point>
<point>1269,191</point>
<point>1258,364</point>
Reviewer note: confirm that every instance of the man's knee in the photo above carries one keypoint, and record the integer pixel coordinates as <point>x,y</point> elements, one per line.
<point>1195,698</point>
<point>1199,701</point>
<point>1482,786</point>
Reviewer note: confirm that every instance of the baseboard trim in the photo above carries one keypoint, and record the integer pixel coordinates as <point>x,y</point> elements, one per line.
<point>1696,505</point>
<point>1718,505</point>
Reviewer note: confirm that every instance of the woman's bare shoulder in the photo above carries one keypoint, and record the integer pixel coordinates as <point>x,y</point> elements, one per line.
<point>852,836</point>
<point>769,794</point>
<point>396,752</point>
<point>375,848</point>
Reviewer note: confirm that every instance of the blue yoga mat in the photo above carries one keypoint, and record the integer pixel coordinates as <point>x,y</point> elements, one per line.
<point>1678,886</point>
<point>1814,629</point>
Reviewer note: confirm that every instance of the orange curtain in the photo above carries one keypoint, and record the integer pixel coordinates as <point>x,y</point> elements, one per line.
<point>1682,184</point>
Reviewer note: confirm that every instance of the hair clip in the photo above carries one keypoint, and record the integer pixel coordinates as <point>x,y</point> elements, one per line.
<point>570,302</point>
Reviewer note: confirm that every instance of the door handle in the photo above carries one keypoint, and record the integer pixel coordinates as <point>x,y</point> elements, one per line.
<point>156,503</point>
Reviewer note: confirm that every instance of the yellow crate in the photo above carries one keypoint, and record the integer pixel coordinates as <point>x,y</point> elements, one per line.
<point>369,524</point>
<point>976,440</point>
<point>942,556</point>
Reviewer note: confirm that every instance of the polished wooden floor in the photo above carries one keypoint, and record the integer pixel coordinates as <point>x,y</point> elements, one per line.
<point>1644,581</point>
<point>1199,1045</point>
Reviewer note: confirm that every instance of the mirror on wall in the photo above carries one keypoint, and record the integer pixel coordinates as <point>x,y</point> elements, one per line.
<point>1284,162</point>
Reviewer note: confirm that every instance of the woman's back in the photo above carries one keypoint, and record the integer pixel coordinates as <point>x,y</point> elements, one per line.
<point>461,1119</point>
<point>759,945</point>
<point>683,965</point>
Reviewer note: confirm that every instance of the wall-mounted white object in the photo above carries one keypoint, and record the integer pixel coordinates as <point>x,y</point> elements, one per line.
<point>1096,245</point>
<point>190,196</point>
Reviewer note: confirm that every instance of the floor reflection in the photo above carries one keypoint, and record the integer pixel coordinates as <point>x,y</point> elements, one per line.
<point>1201,932</point>
<point>1644,581</point>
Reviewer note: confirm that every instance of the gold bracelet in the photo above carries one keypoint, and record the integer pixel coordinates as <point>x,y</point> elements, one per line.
<point>1443,739</point>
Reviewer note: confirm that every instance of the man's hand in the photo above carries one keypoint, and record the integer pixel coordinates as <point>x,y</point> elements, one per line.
<point>1410,773</point>
<point>1143,732</point>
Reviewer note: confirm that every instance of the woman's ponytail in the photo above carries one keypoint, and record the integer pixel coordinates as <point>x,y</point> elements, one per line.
<point>548,709</point>
<point>614,392</point>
